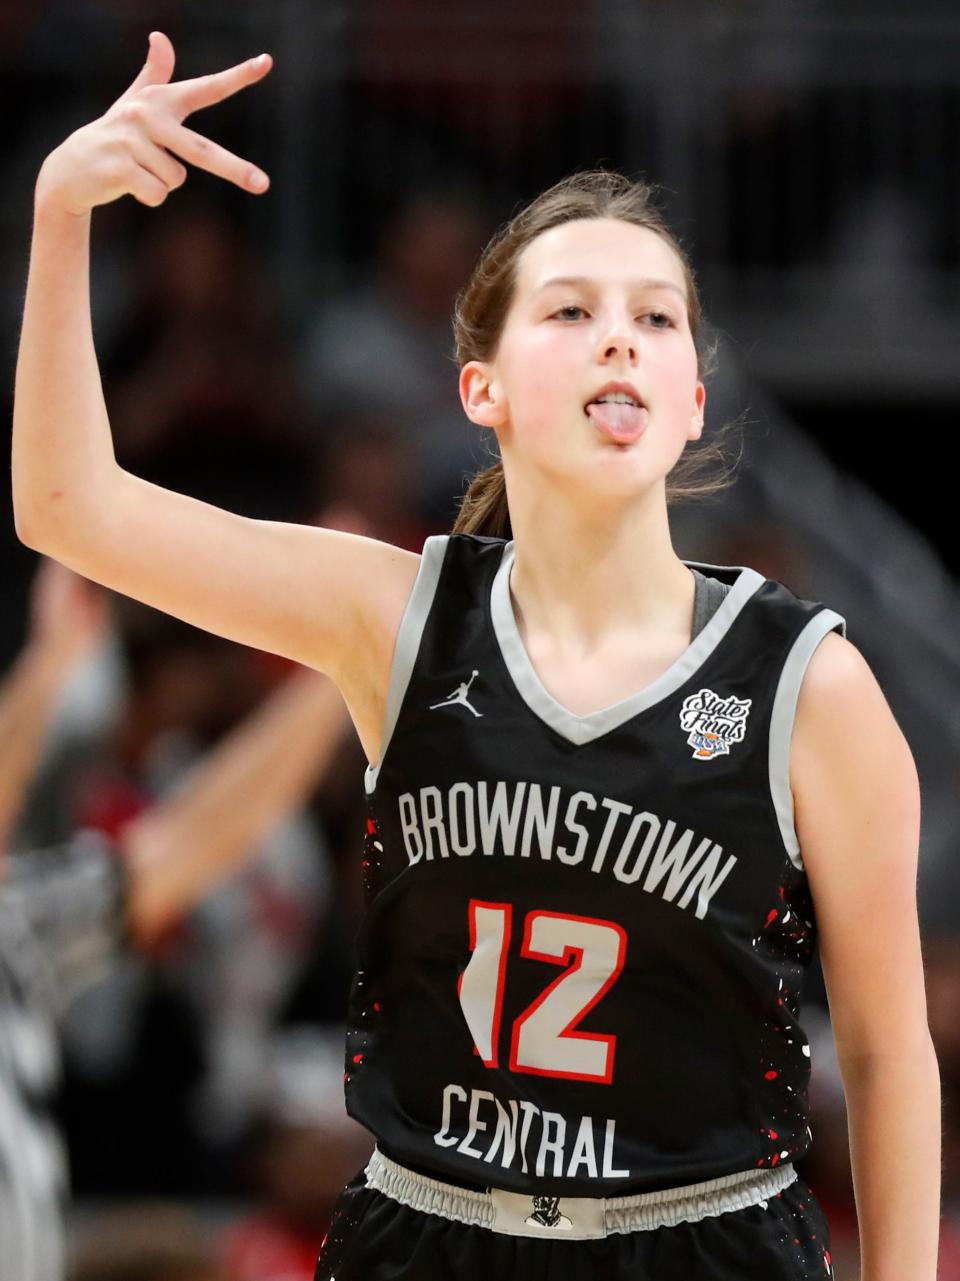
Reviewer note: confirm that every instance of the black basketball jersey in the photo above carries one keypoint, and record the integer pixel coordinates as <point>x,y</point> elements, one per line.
<point>586,936</point>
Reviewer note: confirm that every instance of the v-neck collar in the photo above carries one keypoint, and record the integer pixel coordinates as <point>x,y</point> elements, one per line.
<point>584,729</point>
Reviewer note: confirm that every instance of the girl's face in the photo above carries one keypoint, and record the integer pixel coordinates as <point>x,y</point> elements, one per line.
<point>597,301</point>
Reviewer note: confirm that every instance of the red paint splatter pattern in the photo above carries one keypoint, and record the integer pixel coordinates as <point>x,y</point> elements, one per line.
<point>371,862</point>
<point>786,938</point>
<point>803,1231</point>
<point>368,1001</point>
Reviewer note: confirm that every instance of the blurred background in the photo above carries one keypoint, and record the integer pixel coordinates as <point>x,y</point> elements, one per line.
<point>290,357</point>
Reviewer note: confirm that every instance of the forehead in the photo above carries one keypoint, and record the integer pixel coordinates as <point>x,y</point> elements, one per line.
<point>607,249</point>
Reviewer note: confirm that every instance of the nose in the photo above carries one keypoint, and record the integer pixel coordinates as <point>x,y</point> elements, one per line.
<point>618,341</point>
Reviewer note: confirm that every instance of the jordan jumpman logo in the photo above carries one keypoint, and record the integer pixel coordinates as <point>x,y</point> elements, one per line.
<point>459,695</point>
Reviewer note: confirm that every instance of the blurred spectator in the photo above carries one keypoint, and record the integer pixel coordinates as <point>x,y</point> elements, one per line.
<point>367,484</point>
<point>203,337</point>
<point>213,984</point>
<point>65,910</point>
<point>149,1241</point>
<point>182,689</point>
<point>184,1024</point>
<point>457,48</point>
<point>309,1149</point>
<point>384,346</point>
<point>243,459</point>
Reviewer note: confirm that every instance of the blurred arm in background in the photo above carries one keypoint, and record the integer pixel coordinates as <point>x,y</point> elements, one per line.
<point>197,834</point>
<point>192,838</point>
<point>67,623</point>
<point>63,909</point>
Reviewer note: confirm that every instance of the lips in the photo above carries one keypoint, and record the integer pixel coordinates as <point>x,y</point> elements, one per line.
<point>624,388</point>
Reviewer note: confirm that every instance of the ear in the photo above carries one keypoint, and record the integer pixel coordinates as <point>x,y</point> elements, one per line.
<point>696,418</point>
<point>480,395</point>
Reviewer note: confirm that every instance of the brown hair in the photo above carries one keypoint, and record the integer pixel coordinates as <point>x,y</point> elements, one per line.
<point>482,307</point>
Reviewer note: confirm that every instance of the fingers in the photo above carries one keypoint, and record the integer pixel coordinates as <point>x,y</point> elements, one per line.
<point>204,154</point>
<point>204,91</point>
<point>164,167</point>
<point>158,68</point>
<point>146,187</point>
<point>147,122</point>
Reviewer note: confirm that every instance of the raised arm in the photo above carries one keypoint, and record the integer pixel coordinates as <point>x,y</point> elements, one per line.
<point>193,838</point>
<point>318,596</point>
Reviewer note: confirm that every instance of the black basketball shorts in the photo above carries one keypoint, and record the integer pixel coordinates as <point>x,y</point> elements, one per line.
<point>375,1237</point>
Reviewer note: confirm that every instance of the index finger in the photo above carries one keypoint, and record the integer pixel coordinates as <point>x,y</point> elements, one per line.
<point>204,91</point>
<point>200,151</point>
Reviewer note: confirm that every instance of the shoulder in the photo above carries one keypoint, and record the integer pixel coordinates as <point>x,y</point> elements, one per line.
<point>849,757</point>
<point>837,669</point>
<point>838,682</point>
<point>841,708</point>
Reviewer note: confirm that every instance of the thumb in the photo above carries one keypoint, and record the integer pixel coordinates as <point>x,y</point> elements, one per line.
<point>158,67</point>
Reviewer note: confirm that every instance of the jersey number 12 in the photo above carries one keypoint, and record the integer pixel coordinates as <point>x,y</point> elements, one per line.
<point>544,1039</point>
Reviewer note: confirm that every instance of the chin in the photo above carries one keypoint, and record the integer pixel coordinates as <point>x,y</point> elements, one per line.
<point>617,479</point>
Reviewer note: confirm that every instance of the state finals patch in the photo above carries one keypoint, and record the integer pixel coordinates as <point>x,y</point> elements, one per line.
<point>713,723</point>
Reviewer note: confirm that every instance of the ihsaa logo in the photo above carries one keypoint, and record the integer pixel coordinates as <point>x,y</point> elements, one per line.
<point>546,1214</point>
<point>713,723</point>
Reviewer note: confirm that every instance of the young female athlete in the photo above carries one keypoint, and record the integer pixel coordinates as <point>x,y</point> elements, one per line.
<point>593,769</point>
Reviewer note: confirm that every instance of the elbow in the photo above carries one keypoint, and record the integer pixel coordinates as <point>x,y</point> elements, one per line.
<point>37,519</point>
<point>68,522</point>
<point>28,528</point>
<point>24,527</point>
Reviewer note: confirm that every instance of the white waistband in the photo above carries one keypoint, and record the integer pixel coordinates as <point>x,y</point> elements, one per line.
<point>575,1218</point>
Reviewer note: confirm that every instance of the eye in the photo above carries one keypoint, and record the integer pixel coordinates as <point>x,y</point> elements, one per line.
<point>661,316</point>
<point>569,307</point>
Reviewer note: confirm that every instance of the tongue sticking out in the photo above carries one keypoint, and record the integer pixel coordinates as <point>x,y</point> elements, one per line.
<point>622,423</point>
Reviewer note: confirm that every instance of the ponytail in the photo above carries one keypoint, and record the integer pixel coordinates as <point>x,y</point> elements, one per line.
<point>484,507</point>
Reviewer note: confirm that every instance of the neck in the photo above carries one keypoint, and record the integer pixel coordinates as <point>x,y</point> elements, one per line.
<point>587,574</point>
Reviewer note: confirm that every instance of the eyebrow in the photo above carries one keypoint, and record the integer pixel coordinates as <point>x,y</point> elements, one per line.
<point>646,282</point>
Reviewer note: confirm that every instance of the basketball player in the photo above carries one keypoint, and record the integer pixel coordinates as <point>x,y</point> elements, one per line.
<point>614,795</point>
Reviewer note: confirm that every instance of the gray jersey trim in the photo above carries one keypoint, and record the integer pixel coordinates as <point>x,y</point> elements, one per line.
<point>782,719</point>
<point>709,596</point>
<point>584,729</point>
<point>407,645</point>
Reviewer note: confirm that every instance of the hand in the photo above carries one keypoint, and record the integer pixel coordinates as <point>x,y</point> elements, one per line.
<point>133,148</point>
<point>68,614</point>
